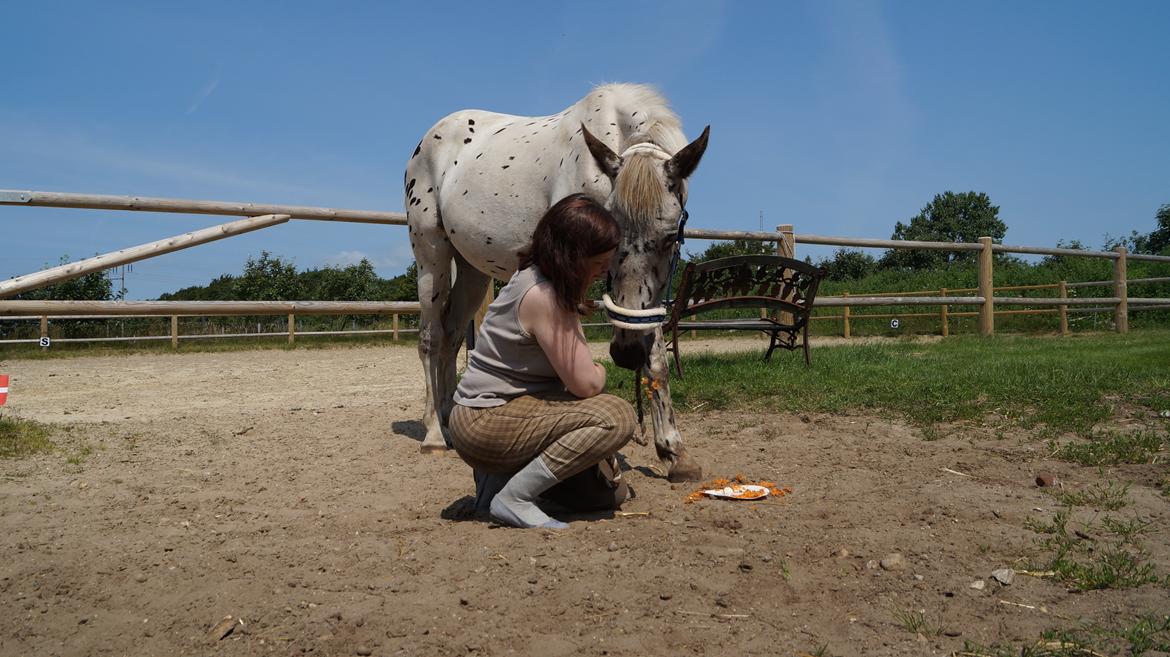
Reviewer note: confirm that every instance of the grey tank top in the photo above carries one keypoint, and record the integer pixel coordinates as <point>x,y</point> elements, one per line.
<point>507,362</point>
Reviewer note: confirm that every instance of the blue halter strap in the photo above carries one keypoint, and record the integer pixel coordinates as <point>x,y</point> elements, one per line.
<point>679,240</point>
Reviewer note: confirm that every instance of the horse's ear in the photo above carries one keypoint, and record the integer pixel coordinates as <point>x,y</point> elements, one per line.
<point>682,165</point>
<point>609,161</point>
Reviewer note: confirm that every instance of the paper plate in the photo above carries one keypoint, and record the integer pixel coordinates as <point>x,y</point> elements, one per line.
<point>738,492</point>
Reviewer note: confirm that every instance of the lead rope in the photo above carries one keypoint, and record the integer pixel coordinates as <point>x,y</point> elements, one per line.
<point>638,396</point>
<point>678,243</point>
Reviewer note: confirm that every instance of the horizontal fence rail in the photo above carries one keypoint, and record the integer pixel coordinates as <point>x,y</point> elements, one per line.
<point>262,215</point>
<point>1132,281</point>
<point>896,301</point>
<point>14,286</point>
<point>188,308</point>
<point>188,206</point>
<point>75,310</point>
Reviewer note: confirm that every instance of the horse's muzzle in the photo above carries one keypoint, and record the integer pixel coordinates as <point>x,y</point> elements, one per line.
<point>629,355</point>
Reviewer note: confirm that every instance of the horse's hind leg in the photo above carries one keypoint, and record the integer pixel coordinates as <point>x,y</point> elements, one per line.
<point>466,297</point>
<point>446,305</point>
<point>433,255</point>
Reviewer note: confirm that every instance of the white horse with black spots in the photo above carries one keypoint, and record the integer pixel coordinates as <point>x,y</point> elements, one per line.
<point>478,183</point>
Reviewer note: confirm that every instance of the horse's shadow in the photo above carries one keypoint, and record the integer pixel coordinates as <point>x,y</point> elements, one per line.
<point>412,429</point>
<point>648,472</point>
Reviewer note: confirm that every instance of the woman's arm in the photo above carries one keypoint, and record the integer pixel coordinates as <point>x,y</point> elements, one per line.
<point>560,335</point>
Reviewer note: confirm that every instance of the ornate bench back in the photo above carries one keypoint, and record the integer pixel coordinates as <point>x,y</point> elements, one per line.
<point>761,281</point>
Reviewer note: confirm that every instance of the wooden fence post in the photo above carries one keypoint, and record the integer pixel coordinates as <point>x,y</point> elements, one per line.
<point>986,289</point>
<point>1063,309</point>
<point>785,247</point>
<point>845,318</point>
<point>292,328</point>
<point>44,326</point>
<point>1121,291</point>
<point>395,325</point>
<point>942,314</point>
<point>174,331</point>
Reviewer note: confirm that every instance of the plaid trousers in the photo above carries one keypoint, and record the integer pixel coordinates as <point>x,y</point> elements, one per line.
<point>570,433</point>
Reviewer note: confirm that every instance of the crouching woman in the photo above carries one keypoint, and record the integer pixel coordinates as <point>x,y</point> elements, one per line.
<point>531,415</point>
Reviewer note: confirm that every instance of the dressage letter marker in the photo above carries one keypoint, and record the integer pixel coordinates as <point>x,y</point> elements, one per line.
<point>3,388</point>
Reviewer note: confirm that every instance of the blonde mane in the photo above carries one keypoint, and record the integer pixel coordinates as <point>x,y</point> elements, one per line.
<point>639,189</point>
<point>645,117</point>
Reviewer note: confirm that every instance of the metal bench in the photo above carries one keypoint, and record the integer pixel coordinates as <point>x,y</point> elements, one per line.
<point>782,286</point>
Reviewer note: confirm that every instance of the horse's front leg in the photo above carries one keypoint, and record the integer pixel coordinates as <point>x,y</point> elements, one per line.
<point>681,466</point>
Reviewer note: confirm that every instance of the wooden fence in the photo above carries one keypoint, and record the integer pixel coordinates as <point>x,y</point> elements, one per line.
<point>944,315</point>
<point>42,310</point>
<point>259,216</point>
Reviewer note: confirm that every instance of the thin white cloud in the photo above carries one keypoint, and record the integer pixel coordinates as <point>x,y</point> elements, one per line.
<point>346,258</point>
<point>69,147</point>
<point>395,260</point>
<point>203,95</point>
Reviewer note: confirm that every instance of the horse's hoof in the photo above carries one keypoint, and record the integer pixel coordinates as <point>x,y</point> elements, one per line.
<point>685,468</point>
<point>432,449</point>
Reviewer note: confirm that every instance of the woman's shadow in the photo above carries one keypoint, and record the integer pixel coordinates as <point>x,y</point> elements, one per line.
<point>562,501</point>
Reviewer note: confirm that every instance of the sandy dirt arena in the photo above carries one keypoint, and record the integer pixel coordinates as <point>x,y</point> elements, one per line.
<point>285,489</point>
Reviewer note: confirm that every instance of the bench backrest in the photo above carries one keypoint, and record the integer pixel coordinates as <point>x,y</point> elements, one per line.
<point>757,281</point>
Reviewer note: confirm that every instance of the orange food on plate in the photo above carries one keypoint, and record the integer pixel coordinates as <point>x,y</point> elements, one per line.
<point>746,493</point>
<point>737,488</point>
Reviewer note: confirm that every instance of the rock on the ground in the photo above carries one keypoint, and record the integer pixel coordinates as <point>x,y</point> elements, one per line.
<point>894,561</point>
<point>1003,576</point>
<point>1045,479</point>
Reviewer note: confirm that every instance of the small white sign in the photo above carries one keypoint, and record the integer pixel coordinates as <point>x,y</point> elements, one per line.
<point>45,341</point>
<point>895,323</point>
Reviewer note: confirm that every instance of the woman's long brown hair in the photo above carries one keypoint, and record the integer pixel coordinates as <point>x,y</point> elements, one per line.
<point>572,231</point>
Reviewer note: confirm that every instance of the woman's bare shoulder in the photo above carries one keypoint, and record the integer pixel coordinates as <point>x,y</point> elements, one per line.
<point>541,294</point>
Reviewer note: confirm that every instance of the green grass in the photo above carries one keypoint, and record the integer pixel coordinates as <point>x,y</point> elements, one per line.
<point>1066,384</point>
<point>1108,496</point>
<point>78,457</point>
<point>915,622</point>
<point>20,438</point>
<point>1105,554</point>
<point>1114,448</point>
<point>1137,636</point>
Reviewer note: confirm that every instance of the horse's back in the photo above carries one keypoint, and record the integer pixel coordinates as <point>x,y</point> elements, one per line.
<point>490,177</point>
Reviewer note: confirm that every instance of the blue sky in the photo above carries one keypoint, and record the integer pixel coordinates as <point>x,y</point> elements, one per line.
<point>838,117</point>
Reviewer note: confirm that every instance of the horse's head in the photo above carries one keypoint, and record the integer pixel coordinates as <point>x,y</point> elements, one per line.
<point>648,200</point>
